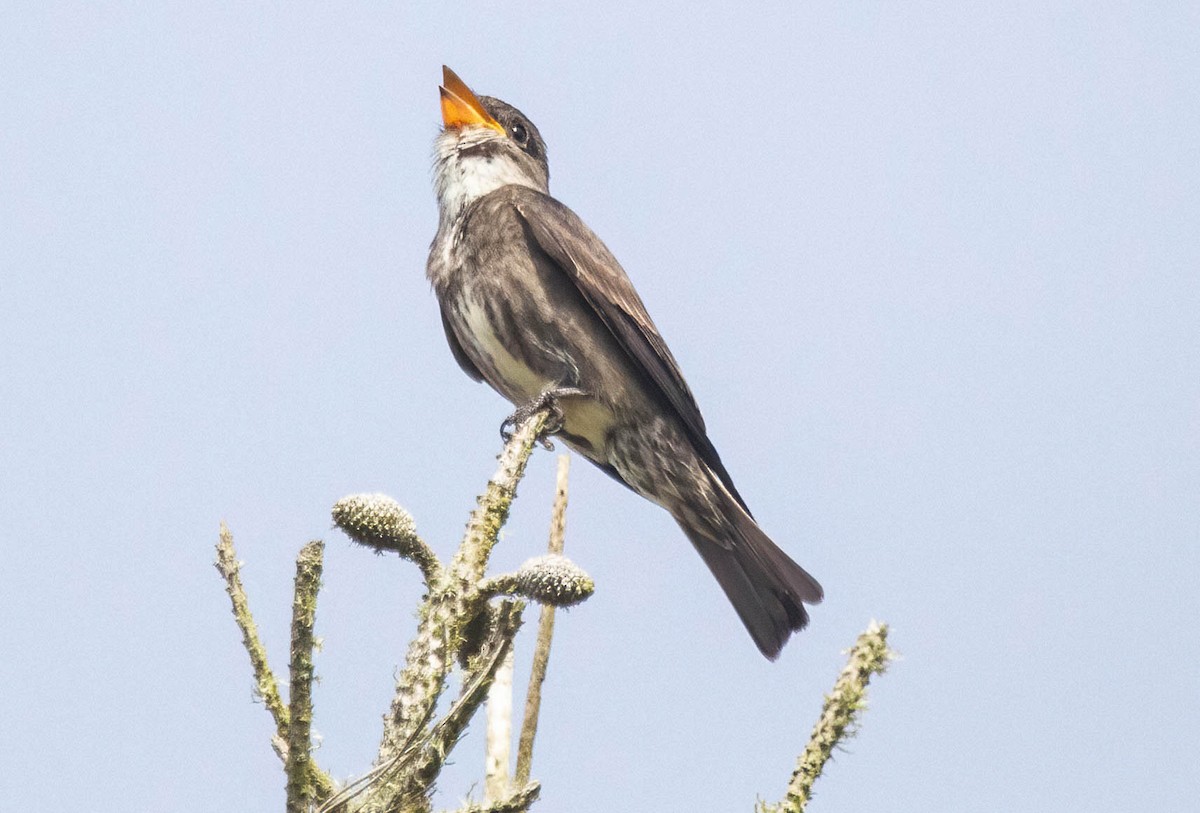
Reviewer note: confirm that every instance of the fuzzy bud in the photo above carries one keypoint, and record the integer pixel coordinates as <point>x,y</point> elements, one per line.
<point>377,521</point>
<point>553,580</point>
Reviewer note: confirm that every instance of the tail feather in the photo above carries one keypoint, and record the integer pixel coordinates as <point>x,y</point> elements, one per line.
<point>767,589</point>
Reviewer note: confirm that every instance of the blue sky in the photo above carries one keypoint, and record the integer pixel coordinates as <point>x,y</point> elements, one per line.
<point>932,273</point>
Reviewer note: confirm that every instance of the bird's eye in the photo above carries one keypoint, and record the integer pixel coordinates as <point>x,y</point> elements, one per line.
<point>518,133</point>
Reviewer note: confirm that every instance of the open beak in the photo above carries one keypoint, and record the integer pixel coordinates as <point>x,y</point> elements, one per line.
<point>460,108</point>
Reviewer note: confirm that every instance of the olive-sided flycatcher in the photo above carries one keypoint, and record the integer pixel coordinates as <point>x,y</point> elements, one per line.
<point>535,305</point>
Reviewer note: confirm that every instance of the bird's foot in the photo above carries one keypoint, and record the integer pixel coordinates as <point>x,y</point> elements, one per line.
<point>548,400</point>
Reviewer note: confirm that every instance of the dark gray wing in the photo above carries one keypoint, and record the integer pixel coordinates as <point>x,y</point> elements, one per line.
<point>460,355</point>
<point>580,254</point>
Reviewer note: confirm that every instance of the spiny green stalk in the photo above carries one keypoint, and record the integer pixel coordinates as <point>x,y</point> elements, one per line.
<point>266,685</point>
<point>302,791</point>
<point>839,716</point>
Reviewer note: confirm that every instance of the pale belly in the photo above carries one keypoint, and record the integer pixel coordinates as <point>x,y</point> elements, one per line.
<point>515,379</point>
<point>586,419</point>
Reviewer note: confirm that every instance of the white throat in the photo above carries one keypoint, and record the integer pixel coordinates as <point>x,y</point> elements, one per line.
<point>459,180</point>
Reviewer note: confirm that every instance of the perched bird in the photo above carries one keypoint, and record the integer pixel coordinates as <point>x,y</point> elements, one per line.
<point>535,305</point>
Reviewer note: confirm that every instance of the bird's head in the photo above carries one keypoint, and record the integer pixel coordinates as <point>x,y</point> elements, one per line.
<point>485,144</point>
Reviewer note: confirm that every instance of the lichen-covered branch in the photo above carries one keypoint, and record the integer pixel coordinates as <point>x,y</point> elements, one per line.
<point>494,505</point>
<point>449,606</point>
<point>406,781</point>
<point>301,790</point>
<point>839,716</point>
<point>265,683</point>
<point>505,624</point>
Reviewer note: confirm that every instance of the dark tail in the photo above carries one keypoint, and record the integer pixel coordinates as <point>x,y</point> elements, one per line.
<point>765,586</point>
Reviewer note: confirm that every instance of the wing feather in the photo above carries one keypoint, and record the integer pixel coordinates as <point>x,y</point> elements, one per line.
<point>603,284</point>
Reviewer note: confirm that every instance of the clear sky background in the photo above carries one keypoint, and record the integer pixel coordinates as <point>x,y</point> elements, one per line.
<point>932,272</point>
